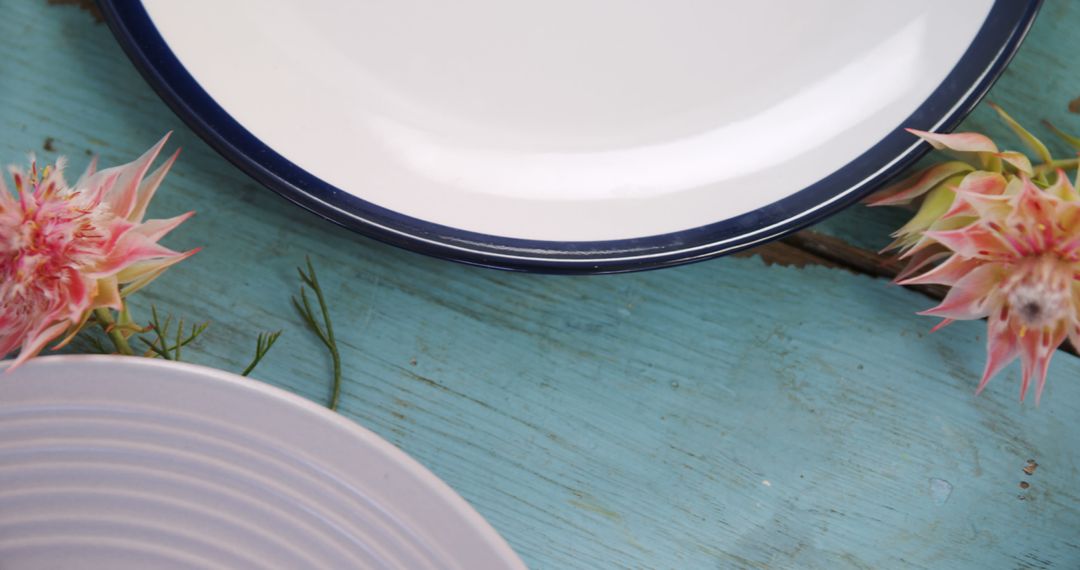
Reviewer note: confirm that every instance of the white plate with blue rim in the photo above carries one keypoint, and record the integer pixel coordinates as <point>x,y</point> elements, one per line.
<point>571,135</point>
<point>125,463</point>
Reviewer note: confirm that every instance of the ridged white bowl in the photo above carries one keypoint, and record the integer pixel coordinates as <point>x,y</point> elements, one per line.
<point>116,463</point>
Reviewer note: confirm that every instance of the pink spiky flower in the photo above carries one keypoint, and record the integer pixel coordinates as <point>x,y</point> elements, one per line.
<point>67,251</point>
<point>1005,237</point>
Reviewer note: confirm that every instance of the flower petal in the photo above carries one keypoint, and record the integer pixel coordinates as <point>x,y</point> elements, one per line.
<point>951,271</point>
<point>917,184</point>
<point>974,241</point>
<point>121,197</point>
<point>1074,334</point>
<point>1069,224</point>
<point>11,334</point>
<point>107,294</point>
<point>919,241</point>
<point>983,183</point>
<point>1018,160</point>
<point>959,142</point>
<point>7,199</point>
<point>73,331</point>
<point>156,229</point>
<point>972,191</point>
<point>113,230</point>
<point>1062,188</point>
<point>1051,340</point>
<point>920,260</point>
<point>1036,350</point>
<point>140,275</point>
<point>1035,211</point>
<point>130,249</point>
<point>75,290</point>
<point>36,341</point>
<point>149,186</point>
<point>973,296</point>
<point>1001,348</point>
<point>936,203</point>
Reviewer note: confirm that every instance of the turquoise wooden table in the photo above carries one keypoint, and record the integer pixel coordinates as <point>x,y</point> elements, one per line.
<point>778,410</point>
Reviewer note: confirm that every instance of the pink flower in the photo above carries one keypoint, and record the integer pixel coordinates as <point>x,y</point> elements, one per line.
<point>1017,266</point>
<point>1005,237</point>
<point>65,251</point>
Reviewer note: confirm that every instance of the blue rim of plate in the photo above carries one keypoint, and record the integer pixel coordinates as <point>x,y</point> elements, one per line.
<point>984,60</point>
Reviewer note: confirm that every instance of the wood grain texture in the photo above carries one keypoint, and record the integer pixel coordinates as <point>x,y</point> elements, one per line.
<point>729,414</point>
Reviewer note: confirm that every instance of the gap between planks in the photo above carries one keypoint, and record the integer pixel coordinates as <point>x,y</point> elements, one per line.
<point>813,248</point>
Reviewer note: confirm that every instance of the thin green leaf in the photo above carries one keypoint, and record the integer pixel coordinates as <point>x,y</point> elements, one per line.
<point>1064,164</point>
<point>153,347</point>
<point>1069,139</point>
<point>179,339</point>
<point>1029,139</point>
<point>325,332</point>
<point>160,331</point>
<point>299,308</point>
<point>160,344</point>
<point>309,316</point>
<point>262,346</point>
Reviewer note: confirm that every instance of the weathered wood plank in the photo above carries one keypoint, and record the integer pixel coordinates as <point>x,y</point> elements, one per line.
<point>726,414</point>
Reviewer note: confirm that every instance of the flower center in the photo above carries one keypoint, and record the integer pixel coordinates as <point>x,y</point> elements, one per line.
<point>48,240</point>
<point>1039,292</point>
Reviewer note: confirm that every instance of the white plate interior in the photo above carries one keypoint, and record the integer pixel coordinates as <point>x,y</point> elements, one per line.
<point>570,120</point>
<point>124,463</point>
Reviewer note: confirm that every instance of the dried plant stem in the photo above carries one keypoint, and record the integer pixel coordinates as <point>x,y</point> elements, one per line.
<point>262,346</point>
<point>325,332</point>
<point>1064,164</point>
<point>160,346</point>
